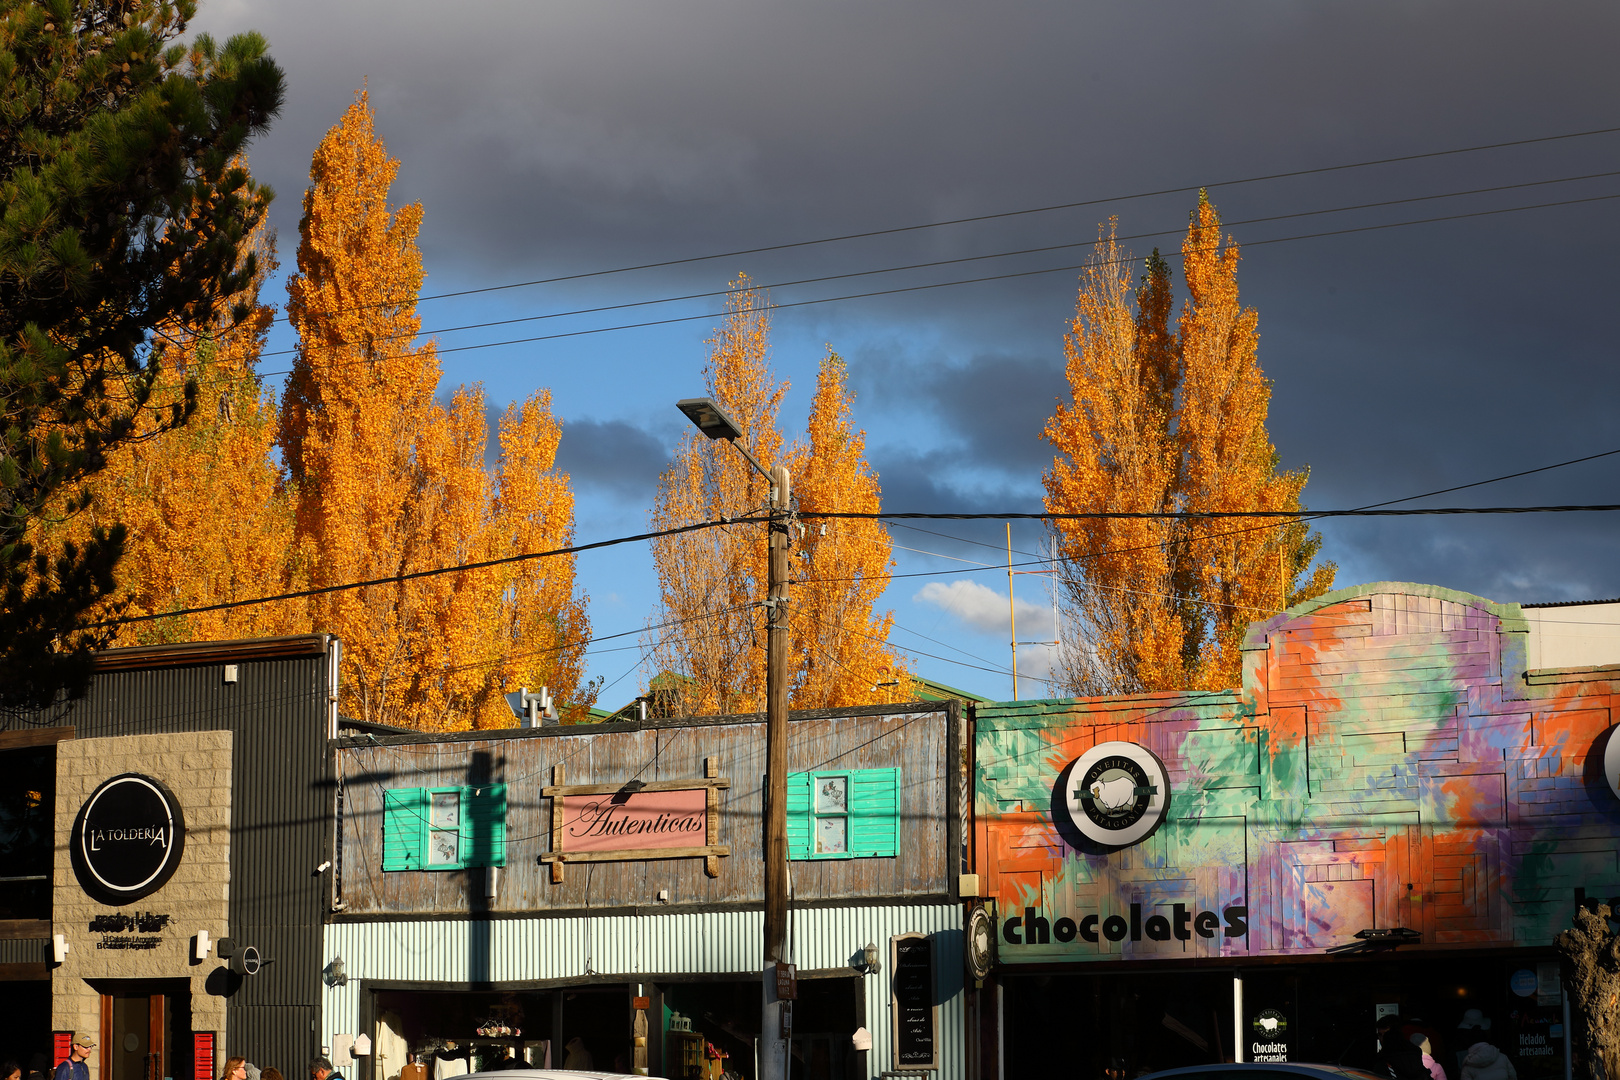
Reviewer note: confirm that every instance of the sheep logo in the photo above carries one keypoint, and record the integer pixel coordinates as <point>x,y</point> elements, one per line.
<point>1116,793</point>
<point>1270,1022</point>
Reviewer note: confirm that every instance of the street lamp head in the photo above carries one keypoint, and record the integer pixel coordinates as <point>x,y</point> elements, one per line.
<point>710,418</point>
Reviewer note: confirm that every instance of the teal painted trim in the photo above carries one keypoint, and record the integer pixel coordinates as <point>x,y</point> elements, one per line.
<point>1511,615</point>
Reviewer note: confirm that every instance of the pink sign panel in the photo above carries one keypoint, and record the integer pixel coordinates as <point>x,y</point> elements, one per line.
<point>622,821</point>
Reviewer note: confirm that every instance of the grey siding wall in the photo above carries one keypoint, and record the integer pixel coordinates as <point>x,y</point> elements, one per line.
<point>919,743</point>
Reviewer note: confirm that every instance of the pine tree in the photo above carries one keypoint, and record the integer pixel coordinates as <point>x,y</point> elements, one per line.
<point>124,212</point>
<point>1169,423</point>
<point>206,519</point>
<point>388,482</point>
<point>708,637</point>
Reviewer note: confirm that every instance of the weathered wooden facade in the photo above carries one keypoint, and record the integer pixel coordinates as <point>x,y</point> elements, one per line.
<point>236,732</point>
<point>1393,812</point>
<point>530,916</point>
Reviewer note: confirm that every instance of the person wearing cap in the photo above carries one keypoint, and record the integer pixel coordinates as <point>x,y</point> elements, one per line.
<point>73,1067</point>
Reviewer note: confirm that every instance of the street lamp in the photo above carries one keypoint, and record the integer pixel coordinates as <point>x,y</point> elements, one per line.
<point>712,420</point>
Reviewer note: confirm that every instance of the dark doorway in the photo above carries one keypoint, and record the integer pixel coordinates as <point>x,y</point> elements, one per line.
<point>26,1032</point>
<point>145,1029</point>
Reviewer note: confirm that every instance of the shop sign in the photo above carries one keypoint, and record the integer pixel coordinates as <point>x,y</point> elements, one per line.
<point>140,930</point>
<point>1270,1042</point>
<point>635,820</point>
<point>128,838</point>
<point>1118,793</point>
<point>911,987</point>
<point>1180,924</point>
<point>641,819</point>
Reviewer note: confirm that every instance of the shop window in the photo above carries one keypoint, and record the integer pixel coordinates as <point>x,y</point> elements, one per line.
<point>847,814</point>
<point>449,828</point>
<point>27,824</point>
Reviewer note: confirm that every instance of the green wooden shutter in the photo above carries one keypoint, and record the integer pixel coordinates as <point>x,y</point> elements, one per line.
<point>405,817</point>
<point>798,815</point>
<point>874,812</point>
<point>483,825</point>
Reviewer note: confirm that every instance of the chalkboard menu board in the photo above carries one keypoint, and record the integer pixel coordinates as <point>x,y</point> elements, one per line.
<point>912,989</point>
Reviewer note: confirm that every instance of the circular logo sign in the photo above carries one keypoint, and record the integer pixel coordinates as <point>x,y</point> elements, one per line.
<point>1118,792</point>
<point>128,838</point>
<point>1270,1022</point>
<point>980,943</point>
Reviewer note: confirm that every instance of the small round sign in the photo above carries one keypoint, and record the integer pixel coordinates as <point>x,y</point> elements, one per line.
<point>1118,793</point>
<point>1523,982</point>
<point>128,838</point>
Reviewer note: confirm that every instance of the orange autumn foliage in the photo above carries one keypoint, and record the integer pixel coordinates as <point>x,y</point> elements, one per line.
<point>387,481</point>
<point>206,521</point>
<point>844,564</point>
<point>1169,423</point>
<point>710,629</point>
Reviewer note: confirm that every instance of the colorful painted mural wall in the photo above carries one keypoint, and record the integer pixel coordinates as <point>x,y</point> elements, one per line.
<point>1388,762</point>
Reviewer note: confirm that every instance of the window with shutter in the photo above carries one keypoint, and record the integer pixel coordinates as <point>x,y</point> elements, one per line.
<point>444,828</point>
<point>846,814</point>
<point>405,814</point>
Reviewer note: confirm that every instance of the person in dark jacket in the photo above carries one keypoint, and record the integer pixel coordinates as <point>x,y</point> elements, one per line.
<point>1396,1054</point>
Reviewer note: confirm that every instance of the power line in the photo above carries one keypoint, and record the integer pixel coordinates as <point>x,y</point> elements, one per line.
<point>673,320</point>
<point>970,258</point>
<point>1188,515</point>
<point>396,579</point>
<point>1003,215</point>
<point>259,376</point>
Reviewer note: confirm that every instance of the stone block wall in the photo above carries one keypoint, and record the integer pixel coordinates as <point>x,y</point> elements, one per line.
<point>196,767</point>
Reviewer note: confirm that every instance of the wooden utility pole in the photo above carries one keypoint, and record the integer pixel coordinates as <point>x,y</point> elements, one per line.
<point>773,1049</point>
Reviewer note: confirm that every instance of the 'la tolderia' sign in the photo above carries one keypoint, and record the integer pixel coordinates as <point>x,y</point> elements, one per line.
<point>128,839</point>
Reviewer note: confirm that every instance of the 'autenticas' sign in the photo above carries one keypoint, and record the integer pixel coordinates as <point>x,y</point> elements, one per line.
<point>630,820</point>
<point>633,820</point>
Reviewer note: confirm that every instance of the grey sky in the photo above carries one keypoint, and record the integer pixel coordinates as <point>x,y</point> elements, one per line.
<point>569,137</point>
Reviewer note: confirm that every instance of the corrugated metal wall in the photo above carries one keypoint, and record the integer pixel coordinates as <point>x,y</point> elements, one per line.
<point>25,951</point>
<point>530,950</point>
<point>280,806</point>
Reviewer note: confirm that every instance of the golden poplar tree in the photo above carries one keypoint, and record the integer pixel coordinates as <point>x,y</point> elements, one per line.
<point>207,522</point>
<point>1160,422</point>
<point>388,482</point>
<point>709,631</point>
<point>843,564</point>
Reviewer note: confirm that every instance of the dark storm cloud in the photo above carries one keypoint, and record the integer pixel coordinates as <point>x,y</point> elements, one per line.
<point>560,138</point>
<point>989,411</point>
<point>612,456</point>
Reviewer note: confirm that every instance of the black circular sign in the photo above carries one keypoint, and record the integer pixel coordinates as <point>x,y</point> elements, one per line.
<point>128,839</point>
<point>1116,792</point>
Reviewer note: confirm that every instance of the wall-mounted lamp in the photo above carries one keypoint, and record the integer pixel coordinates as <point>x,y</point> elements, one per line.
<point>869,956</point>
<point>362,1046</point>
<point>60,948</point>
<point>333,974</point>
<point>203,945</point>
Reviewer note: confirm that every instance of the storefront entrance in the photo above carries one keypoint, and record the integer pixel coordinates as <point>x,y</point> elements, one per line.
<point>700,1029</point>
<point>145,1029</point>
<point>1122,1024</point>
